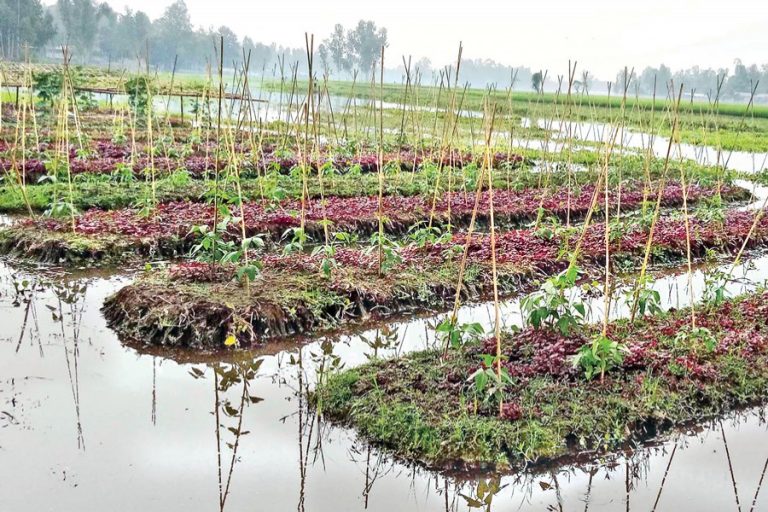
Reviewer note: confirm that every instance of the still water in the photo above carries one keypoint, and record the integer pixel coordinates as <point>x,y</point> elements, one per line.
<point>89,424</point>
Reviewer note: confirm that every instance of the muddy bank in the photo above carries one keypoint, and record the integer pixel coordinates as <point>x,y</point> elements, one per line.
<point>429,408</point>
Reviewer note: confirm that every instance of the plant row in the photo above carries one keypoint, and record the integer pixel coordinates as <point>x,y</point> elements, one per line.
<point>203,303</point>
<point>200,160</point>
<point>172,229</point>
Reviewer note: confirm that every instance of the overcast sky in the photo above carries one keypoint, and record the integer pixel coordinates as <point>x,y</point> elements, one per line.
<point>601,35</point>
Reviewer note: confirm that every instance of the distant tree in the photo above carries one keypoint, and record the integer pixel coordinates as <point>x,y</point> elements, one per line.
<point>232,48</point>
<point>423,64</point>
<point>140,32</point>
<point>585,83</point>
<point>324,55</point>
<point>743,79</point>
<point>365,43</point>
<point>625,78</point>
<point>338,49</point>
<point>172,35</point>
<point>739,80</point>
<point>261,54</point>
<point>704,81</point>
<point>537,82</point>
<point>487,71</point>
<point>23,23</point>
<point>80,23</point>
<point>660,76</point>
<point>106,30</point>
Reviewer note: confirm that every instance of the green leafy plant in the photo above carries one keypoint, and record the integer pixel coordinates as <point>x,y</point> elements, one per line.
<point>86,100</point>
<point>456,335</point>
<point>715,287</point>
<point>599,356</point>
<point>648,300</point>
<point>211,247</point>
<point>390,251</point>
<point>551,307</point>
<point>344,238</point>
<point>328,262</point>
<point>711,209</point>
<point>271,184</point>
<point>138,89</point>
<point>60,209</point>
<point>123,173</point>
<point>298,238</point>
<point>48,86</point>
<point>422,235</point>
<point>180,177</point>
<point>548,228</point>
<point>490,383</point>
<point>694,338</point>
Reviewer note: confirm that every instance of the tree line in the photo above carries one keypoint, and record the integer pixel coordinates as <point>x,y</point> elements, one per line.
<point>738,83</point>
<point>97,34</point>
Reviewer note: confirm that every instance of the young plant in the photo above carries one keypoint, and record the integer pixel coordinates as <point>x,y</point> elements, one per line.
<point>138,94</point>
<point>644,299</point>
<point>694,338</point>
<point>48,85</point>
<point>550,306</point>
<point>123,173</point>
<point>711,210</point>
<point>549,228</point>
<point>715,287</point>
<point>422,235</point>
<point>212,247</point>
<point>456,335</point>
<point>490,383</point>
<point>390,251</point>
<point>298,238</point>
<point>599,356</point>
<point>328,262</point>
<point>344,238</point>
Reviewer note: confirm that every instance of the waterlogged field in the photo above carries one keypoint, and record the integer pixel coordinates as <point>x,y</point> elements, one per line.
<point>386,298</point>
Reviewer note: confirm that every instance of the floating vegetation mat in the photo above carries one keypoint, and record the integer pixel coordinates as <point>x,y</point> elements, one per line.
<point>428,406</point>
<point>202,305</point>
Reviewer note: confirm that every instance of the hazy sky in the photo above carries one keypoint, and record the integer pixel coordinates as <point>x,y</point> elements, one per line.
<point>602,36</point>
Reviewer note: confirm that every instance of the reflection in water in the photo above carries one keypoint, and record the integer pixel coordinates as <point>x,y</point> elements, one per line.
<point>228,413</point>
<point>172,462</point>
<point>24,292</point>
<point>71,294</point>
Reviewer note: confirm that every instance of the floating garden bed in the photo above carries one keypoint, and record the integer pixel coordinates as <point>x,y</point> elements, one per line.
<point>430,406</point>
<point>200,160</point>
<point>166,232</point>
<point>202,305</point>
